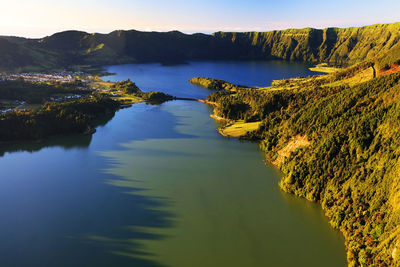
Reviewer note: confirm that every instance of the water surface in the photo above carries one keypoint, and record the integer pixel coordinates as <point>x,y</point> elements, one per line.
<point>173,79</point>
<point>157,186</point>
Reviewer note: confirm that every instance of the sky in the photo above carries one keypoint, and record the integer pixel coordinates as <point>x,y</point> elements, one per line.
<point>30,18</point>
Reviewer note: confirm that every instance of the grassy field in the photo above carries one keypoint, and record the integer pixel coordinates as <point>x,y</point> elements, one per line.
<point>324,68</point>
<point>239,128</point>
<point>361,77</point>
<point>127,99</point>
<point>119,95</point>
<point>101,84</point>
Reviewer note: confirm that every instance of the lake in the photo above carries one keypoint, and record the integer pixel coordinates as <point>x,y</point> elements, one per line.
<point>156,185</point>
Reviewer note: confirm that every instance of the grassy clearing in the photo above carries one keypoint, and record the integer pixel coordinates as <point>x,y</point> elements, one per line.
<point>239,128</point>
<point>101,84</point>
<point>294,143</point>
<point>363,76</point>
<point>293,83</point>
<point>116,95</point>
<point>324,68</point>
<point>127,99</point>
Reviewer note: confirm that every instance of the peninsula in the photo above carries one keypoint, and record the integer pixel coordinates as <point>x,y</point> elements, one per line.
<point>336,140</point>
<point>335,137</point>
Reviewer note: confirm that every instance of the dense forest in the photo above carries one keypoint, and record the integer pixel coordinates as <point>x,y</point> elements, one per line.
<point>336,137</point>
<point>215,84</point>
<point>338,145</point>
<point>51,119</point>
<point>66,116</point>
<point>73,48</point>
<point>130,88</point>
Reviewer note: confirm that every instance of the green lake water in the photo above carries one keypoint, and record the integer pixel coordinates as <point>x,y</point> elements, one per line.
<point>158,186</point>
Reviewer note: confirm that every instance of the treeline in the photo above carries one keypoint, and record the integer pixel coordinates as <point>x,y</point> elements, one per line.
<point>127,87</point>
<point>54,119</point>
<point>216,84</point>
<point>352,165</point>
<point>130,88</point>
<point>71,49</point>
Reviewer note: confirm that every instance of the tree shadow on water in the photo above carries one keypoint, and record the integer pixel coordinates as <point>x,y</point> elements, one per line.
<point>116,239</point>
<point>67,142</point>
<point>83,221</point>
<point>78,219</point>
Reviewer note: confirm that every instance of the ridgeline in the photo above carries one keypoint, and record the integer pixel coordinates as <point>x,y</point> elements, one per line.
<point>335,137</point>
<point>75,49</point>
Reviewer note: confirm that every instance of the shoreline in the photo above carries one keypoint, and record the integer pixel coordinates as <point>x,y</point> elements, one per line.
<point>278,141</point>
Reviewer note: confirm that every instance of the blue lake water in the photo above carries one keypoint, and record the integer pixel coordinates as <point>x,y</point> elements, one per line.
<point>158,186</point>
<point>173,79</point>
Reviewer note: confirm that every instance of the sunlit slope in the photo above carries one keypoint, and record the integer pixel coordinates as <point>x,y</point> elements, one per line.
<point>331,45</point>
<point>336,140</point>
<point>334,45</point>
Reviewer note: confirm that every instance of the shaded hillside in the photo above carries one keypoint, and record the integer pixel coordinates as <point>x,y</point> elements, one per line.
<point>18,53</point>
<point>332,45</point>
<point>133,46</point>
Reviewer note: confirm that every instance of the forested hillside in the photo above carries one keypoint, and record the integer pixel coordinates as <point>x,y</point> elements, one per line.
<point>338,144</point>
<point>336,137</point>
<point>72,48</point>
<point>333,45</point>
<point>52,119</point>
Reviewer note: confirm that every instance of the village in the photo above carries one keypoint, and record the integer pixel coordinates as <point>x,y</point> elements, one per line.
<point>86,82</point>
<point>83,81</point>
<point>61,77</point>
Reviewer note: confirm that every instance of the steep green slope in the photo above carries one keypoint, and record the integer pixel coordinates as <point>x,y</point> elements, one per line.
<point>133,46</point>
<point>335,138</point>
<point>339,146</point>
<point>332,45</point>
<point>16,53</point>
<point>390,57</point>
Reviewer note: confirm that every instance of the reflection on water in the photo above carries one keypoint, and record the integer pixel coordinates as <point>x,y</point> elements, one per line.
<point>56,208</point>
<point>174,79</point>
<point>156,186</point>
<point>66,142</point>
<point>226,205</point>
<point>78,141</point>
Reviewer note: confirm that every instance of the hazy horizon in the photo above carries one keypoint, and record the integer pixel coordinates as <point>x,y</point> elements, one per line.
<point>190,16</point>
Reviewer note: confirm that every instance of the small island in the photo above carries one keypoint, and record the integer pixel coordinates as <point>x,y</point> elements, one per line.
<point>215,84</point>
